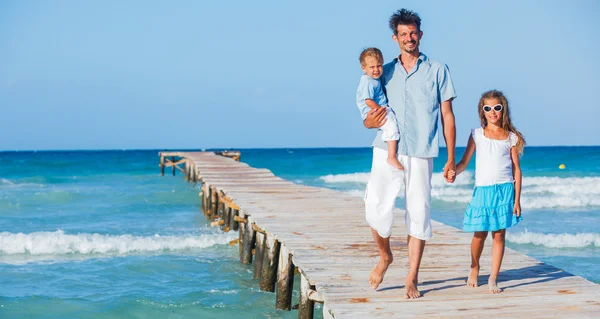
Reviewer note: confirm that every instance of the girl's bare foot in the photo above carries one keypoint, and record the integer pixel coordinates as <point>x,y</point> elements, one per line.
<point>473,276</point>
<point>394,162</point>
<point>493,286</point>
<point>376,276</point>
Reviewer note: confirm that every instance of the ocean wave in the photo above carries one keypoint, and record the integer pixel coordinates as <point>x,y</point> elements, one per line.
<point>355,192</point>
<point>6,183</point>
<point>579,240</point>
<point>437,180</point>
<point>59,243</point>
<point>346,178</point>
<point>537,192</point>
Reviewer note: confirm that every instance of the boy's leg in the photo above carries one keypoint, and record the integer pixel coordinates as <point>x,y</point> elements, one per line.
<point>391,136</point>
<point>476,249</point>
<point>497,255</point>
<point>392,158</point>
<point>380,198</point>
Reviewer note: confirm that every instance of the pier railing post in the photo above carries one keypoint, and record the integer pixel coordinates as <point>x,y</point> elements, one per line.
<point>269,264</point>
<point>285,280</point>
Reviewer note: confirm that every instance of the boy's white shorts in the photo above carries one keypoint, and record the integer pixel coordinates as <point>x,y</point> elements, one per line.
<point>390,127</point>
<point>383,187</point>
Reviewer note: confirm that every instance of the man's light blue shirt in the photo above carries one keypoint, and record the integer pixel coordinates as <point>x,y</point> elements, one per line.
<point>369,88</point>
<point>415,97</point>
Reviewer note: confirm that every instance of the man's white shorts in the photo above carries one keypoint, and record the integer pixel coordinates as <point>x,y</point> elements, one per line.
<point>383,187</point>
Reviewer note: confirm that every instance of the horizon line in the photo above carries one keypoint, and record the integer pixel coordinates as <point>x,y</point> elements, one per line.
<point>235,148</point>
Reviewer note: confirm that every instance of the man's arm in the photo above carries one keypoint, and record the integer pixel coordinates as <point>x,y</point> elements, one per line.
<point>466,158</point>
<point>450,138</point>
<point>375,118</point>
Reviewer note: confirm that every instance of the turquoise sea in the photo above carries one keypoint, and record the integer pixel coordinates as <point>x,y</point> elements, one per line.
<point>100,234</point>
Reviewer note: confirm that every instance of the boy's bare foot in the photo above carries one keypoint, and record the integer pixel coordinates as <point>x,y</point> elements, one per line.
<point>493,286</point>
<point>376,276</point>
<point>472,280</point>
<point>410,290</point>
<point>394,162</point>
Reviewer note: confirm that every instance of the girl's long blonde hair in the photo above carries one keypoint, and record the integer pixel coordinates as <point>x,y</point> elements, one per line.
<point>507,125</point>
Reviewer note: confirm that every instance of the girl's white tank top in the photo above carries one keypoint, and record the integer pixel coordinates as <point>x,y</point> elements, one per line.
<point>493,164</point>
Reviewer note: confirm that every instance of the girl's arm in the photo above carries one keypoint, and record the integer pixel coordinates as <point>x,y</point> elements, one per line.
<point>466,158</point>
<point>514,155</point>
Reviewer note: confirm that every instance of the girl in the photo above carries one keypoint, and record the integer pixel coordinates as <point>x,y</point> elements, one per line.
<point>495,204</point>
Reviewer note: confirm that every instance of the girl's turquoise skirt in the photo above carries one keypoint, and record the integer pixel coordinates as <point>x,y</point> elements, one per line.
<point>491,208</point>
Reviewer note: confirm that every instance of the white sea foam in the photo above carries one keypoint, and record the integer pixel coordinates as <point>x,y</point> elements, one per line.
<point>556,240</point>
<point>346,178</point>
<point>5,183</point>
<point>356,192</point>
<point>437,179</point>
<point>59,243</point>
<point>537,192</point>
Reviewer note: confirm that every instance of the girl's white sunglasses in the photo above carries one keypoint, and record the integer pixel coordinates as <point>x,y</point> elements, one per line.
<point>488,109</point>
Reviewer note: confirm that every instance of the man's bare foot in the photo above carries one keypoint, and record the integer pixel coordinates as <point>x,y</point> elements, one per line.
<point>376,276</point>
<point>473,276</point>
<point>493,286</point>
<point>394,162</point>
<point>411,291</point>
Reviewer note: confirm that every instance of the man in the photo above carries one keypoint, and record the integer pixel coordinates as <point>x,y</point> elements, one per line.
<point>417,89</point>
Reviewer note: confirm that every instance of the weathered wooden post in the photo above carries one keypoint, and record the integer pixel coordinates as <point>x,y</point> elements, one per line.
<point>195,172</point>
<point>214,203</point>
<point>258,254</point>
<point>226,216</point>
<point>173,162</point>
<point>201,195</point>
<point>307,306</point>
<point>285,280</point>
<point>206,202</point>
<point>221,206</point>
<point>247,240</point>
<point>162,165</point>
<point>208,199</point>
<point>186,170</point>
<point>269,264</point>
<point>233,223</point>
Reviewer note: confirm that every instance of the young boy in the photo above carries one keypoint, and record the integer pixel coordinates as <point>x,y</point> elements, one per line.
<point>370,93</point>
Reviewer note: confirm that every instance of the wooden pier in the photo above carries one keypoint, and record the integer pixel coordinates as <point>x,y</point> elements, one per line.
<point>285,228</point>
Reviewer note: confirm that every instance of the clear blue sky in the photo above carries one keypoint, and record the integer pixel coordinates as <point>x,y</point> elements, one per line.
<point>243,74</point>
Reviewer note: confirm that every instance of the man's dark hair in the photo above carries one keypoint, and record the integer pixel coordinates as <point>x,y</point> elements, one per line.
<point>404,17</point>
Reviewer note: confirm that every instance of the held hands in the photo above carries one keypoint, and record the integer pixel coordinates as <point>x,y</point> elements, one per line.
<point>517,209</point>
<point>375,118</point>
<point>450,171</point>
